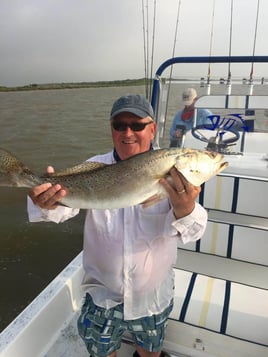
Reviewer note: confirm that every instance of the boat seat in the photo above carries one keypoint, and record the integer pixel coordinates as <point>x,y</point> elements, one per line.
<point>255,142</point>
<point>222,295</point>
<point>221,281</point>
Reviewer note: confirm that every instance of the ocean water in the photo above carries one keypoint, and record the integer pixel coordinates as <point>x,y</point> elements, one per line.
<point>50,127</point>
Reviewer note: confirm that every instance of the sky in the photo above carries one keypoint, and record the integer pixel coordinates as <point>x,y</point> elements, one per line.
<point>52,41</point>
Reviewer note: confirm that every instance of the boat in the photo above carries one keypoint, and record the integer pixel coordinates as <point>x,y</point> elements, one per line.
<point>221,281</point>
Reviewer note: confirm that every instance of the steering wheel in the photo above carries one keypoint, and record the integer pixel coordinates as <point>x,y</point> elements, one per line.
<point>220,131</point>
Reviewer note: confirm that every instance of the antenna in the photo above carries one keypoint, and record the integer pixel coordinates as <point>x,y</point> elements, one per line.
<point>210,49</point>
<point>254,48</point>
<point>229,76</point>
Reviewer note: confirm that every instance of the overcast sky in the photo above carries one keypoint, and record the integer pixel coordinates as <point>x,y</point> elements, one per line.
<point>44,41</point>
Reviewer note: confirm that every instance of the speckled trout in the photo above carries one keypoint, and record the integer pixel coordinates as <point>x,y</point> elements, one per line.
<point>126,183</point>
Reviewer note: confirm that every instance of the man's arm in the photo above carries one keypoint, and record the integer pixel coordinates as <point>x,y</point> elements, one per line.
<point>190,217</point>
<point>43,203</point>
<point>182,195</point>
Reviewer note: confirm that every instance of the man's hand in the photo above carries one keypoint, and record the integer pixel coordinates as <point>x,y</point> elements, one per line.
<point>182,195</point>
<point>47,195</point>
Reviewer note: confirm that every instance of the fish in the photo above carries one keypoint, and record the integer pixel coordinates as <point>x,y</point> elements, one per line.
<point>94,185</point>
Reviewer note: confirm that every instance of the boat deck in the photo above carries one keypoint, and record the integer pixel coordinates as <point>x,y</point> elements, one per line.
<point>69,344</point>
<point>193,330</point>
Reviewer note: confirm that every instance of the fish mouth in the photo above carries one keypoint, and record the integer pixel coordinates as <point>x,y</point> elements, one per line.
<point>223,166</point>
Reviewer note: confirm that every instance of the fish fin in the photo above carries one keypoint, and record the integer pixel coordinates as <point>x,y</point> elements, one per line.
<point>158,177</point>
<point>13,173</point>
<point>153,200</point>
<point>78,169</point>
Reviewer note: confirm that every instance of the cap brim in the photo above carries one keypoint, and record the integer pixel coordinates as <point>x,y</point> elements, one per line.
<point>139,113</point>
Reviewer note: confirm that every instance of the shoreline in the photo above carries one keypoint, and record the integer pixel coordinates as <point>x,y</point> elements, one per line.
<point>75,85</point>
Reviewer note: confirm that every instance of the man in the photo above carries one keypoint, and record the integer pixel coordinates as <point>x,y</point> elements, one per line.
<point>184,119</point>
<point>128,253</point>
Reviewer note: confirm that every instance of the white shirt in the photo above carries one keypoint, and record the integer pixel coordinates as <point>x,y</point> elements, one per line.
<point>129,252</point>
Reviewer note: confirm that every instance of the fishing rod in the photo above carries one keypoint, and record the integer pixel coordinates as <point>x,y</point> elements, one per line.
<point>210,49</point>
<point>254,47</point>
<point>145,46</point>
<point>229,76</point>
<point>147,39</point>
<point>148,67</point>
<point>173,53</point>
<point>152,53</point>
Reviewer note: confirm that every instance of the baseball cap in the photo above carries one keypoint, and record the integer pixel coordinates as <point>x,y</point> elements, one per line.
<point>133,103</point>
<point>188,96</point>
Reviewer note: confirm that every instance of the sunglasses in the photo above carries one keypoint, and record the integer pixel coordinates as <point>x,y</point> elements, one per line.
<point>119,126</point>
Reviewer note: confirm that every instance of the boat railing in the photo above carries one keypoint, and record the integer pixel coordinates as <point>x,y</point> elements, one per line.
<point>241,95</point>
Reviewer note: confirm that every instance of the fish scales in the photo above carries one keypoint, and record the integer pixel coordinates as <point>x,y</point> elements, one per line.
<point>126,183</point>
<point>131,180</point>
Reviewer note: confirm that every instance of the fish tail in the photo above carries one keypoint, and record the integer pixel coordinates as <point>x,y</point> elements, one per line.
<point>14,173</point>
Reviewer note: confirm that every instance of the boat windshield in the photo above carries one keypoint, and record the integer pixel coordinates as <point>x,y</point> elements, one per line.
<point>227,110</point>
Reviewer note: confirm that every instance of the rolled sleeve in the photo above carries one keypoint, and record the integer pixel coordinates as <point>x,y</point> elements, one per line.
<point>192,227</point>
<point>58,215</point>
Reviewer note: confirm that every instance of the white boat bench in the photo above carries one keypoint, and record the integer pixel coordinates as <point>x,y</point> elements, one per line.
<point>221,290</point>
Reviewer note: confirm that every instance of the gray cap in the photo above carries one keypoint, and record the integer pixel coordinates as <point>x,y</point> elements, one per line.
<point>133,103</point>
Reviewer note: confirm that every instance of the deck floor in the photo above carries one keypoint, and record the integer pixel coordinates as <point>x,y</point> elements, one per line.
<point>69,344</point>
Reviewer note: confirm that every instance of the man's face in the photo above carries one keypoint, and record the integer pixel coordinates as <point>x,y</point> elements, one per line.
<point>130,142</point>
<point>191,106</point>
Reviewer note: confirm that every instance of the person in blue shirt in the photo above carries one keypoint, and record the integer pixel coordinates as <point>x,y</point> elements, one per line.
<point>184,119</point>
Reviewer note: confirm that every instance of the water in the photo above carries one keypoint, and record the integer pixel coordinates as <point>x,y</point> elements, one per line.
<point>59,128</point>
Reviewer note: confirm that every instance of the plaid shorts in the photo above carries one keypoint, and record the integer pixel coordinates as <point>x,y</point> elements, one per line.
<point>102,329</point>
